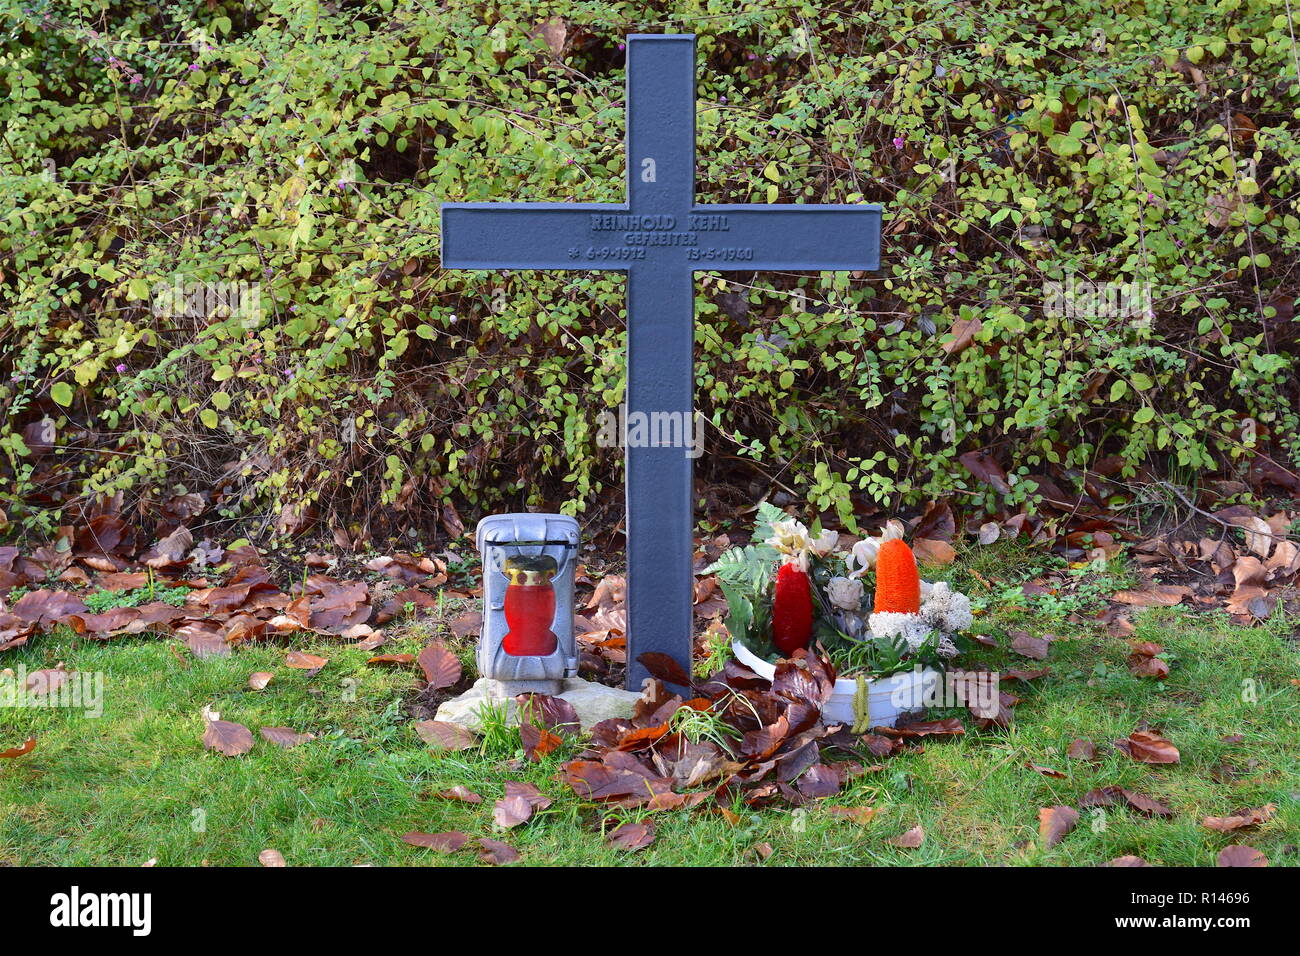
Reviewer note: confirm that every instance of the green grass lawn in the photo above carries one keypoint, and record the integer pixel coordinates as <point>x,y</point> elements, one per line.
<point>137,784</point>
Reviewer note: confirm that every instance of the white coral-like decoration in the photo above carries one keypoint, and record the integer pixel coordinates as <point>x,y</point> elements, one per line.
<point>948,610</point>
<point>943,610</point>
<point>910,627</point>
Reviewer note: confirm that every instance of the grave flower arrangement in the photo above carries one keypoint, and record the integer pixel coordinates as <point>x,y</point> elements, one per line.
<point>866,606</point>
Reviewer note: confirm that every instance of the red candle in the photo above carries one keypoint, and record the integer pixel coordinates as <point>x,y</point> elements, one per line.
<point>530,609</point>
<point>792,610</point>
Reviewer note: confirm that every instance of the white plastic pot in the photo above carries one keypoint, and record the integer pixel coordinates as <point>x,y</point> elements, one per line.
<point>887,698</point>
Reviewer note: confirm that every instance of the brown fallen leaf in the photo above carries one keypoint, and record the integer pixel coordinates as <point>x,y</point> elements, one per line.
<point>375,640</point>
<point>393,660</point>
<point>259,680</point>
<point>1035,647</point>
<point>554,33</point>
<point>26,747</point>
<point>1148,666</point>
<point>1128,861</point>
<point>963,334</point>
<point>496,853</point>
<point>910,840</point>
<point>170,550</point>
<point>448,842</point>
<point>271,858</point>
<point>1081,749</point>
<point>632,836</point>
<point>553,713</point>
<point>463,794</point>
<point>441,667</point>
<point>467,624</point>
<point>1045,771</point>
<point>610,591</point>
<point>1241,820</point>
<point>1140,802</point>
<point>517,805</point>
<point>986,468</point>
<point>517,788</point>
<point>443,735</point>
<point>538,741</point>
<point>665,668</point>
<point>1240,855</point>
<point>45,608</point>
<point>1146,747</point>
<point>1154,595</point>
<point>1148,806</point>
<point>285,737</point>
<point>230,738</point>
<point>853,814</point>
<point>1251,594</point>
<point>1144,662</point>
<point>592,780</point>
<point>1116,622</point>
<point>510,811</point>
<point>300,660</point>
<point>1055,822</point>
<point>203,644</point>
<point>947,727</point>
<point>934,553</point>
<point>1258,534</point>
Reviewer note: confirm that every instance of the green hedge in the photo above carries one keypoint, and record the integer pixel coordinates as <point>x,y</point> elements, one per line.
<point>302,149</point>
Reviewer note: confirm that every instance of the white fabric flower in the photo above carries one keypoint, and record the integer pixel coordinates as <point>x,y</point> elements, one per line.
<point>845,593</point>
<point>791,538</point>
<point>824,543</point>
<point>862,558</point>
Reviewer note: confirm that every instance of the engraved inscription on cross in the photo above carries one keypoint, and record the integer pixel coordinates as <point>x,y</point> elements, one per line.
<point>660,238</point>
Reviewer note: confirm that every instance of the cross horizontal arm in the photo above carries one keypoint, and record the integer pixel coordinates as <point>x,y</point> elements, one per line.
<point>796,237</point>
<point>535,235</point>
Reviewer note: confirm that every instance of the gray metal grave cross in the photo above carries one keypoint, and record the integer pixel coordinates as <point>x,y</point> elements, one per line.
<point>660,238</point>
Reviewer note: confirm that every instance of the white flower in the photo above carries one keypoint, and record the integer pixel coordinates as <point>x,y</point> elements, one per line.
<point>845,593</point>
<point>825,543</point>
<point>791,539</point>
<point>862,558</point>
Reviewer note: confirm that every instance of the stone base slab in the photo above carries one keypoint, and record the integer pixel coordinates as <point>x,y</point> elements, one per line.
<point>593,702</point>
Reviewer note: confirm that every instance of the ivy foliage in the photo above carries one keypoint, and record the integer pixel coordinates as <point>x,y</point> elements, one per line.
<point>291,156</point>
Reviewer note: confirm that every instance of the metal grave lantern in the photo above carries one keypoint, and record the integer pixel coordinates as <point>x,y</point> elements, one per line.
<point>527,643</point>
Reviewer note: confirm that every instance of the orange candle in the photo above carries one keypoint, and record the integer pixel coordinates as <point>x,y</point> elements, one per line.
<point>898,585</point>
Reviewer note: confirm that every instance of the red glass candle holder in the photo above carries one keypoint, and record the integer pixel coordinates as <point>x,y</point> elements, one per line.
<point>530,607</point>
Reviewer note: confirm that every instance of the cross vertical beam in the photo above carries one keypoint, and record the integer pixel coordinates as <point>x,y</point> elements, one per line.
<point>660,354</point>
